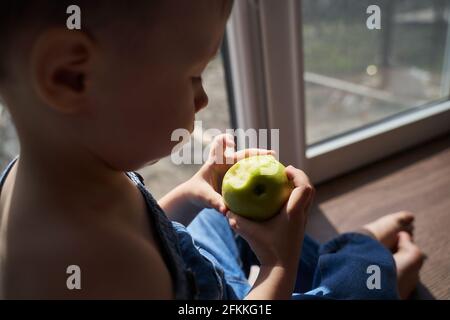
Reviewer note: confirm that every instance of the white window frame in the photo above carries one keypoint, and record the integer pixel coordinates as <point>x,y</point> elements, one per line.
<point>266,64</point>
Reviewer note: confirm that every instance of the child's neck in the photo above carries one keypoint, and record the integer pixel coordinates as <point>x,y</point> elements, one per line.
<point>73,180</point>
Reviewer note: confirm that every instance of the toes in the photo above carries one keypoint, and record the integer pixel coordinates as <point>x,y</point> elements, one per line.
<point>408,228</point>
<point>386,228</point>
<point>405,244</point>
<point>404,239</point>
<point>405,217</point>
<point>409,260</point>
<point>405,220</point>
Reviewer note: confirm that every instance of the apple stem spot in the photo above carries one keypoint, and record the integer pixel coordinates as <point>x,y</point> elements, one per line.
<point>259,189</point>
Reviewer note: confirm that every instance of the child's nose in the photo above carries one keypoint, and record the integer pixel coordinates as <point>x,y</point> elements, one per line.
<point>201,98</point>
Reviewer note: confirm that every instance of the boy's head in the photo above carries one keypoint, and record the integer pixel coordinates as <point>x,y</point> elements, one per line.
<point>118,87</point>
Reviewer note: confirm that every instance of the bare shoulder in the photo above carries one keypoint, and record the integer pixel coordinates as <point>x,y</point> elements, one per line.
<point>90,265</point>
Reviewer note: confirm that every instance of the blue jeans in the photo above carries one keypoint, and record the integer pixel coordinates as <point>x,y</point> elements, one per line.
<point>338,269</point>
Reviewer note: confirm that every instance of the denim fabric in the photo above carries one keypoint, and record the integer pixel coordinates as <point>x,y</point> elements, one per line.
<point>207,260</point>
<point>335,270</point>
<point>183,278</point>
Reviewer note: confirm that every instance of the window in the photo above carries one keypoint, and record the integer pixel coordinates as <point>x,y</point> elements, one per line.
<point>9,146</point>
<point>341,94</point>
<point>354,77</point>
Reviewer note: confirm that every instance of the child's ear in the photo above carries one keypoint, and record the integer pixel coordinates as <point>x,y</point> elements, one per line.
<point>61,62</point>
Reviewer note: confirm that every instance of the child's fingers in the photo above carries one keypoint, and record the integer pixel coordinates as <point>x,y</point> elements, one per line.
<point>297,176</point>
<point>299,201</point>
<point>222,147</point>
<point>311,199</point>
<point>246,153</point>
<point>224,140</point>
<point>215,201</point>
<point>304,191</point>
<point>229,140</point>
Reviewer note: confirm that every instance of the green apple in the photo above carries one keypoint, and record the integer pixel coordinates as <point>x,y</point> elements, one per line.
<point>256,187</point>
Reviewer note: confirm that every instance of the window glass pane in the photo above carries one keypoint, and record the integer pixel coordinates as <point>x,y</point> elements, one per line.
<point>9,146</point>
<point>355,76</point>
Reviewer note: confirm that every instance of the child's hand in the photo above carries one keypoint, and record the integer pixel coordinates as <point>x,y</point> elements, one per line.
<point>278,241</point>
<point>206,184</point>
<point>203,190</point>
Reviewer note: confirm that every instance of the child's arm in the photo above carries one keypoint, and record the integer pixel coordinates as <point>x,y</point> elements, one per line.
<point>203,190</point>
<point>183,203</point>
<point>273,283</point>
<point>277,243</point>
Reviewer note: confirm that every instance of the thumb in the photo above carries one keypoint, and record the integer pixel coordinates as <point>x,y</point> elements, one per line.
<point>244,227</point>
<point>215,201</point>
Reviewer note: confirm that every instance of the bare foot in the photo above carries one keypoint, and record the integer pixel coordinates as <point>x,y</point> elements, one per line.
<point>386,228</point>
<point>408,259</point>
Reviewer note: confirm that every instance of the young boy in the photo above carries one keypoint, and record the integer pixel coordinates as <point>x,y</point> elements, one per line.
<point>92,104</point>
